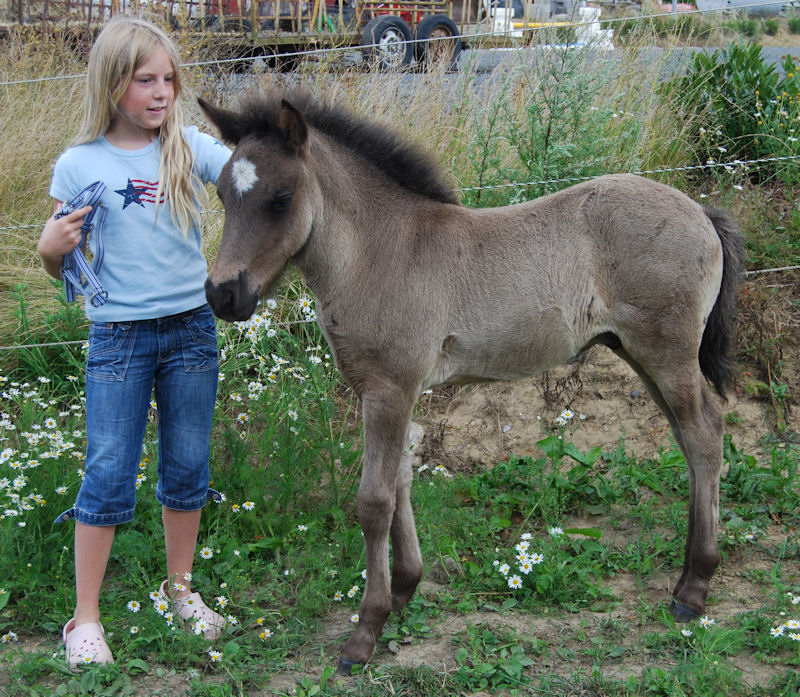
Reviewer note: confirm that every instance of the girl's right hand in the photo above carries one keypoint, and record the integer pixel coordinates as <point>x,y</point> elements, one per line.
<point>59,237</point>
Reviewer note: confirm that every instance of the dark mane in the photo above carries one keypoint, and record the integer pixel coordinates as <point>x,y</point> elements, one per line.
<point>406,163</point>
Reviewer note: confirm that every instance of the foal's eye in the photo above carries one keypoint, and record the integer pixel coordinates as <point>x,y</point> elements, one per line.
<point>281,201</point>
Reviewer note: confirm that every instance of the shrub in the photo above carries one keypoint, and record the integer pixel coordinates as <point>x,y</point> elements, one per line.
<point>748,27</point>
<point>739,107</point>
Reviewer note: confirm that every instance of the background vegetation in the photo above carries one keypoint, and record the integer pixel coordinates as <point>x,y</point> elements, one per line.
<point>283,553</point>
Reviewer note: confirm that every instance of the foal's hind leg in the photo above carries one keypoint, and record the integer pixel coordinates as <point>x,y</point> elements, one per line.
<point>386,416</point>
<point>701,437</point>
<point>696,422</point>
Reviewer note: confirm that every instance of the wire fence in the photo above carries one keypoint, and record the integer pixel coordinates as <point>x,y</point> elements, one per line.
<point>729,166</point>
<point>84,342</point>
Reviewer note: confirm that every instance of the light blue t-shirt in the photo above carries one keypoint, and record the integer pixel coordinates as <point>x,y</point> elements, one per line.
<point>149,269</point>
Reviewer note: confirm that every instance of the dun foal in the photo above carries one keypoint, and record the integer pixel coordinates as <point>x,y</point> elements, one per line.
<point>415,290</point>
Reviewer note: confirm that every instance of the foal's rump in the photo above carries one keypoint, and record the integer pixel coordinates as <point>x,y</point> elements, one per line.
<point>658,265</point>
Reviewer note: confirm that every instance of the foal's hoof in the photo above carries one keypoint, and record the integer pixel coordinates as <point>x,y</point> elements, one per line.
<point>346,666</point>
<point>683,613</point>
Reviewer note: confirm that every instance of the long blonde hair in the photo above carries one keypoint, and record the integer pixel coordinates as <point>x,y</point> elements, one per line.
<point>121,47</point>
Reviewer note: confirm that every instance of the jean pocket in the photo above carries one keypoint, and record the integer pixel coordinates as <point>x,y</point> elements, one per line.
<point>110,349</point>
<point>200,341</point>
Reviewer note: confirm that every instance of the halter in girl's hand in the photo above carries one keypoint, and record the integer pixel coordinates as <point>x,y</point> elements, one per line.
<point>75,267</point>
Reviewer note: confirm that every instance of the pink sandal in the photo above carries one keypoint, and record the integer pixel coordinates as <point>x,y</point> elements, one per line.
<point>193,611</point>
<point>85,644</point>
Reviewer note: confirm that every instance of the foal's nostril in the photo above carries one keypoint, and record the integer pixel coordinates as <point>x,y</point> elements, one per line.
<point>218,297</point>
<point>222,298</point>
<point>231,300</point>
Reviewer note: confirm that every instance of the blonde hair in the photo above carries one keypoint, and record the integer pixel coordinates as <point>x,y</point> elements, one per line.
<point>121,47</point>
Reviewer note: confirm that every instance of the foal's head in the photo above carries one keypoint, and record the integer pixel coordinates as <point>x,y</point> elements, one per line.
<point>271,190</point>
<point>267,204</point>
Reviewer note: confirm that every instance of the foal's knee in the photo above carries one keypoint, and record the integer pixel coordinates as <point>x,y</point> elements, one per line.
<point>375,511</point>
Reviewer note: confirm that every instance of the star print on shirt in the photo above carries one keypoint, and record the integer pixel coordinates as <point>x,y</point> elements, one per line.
<point>138,191</point>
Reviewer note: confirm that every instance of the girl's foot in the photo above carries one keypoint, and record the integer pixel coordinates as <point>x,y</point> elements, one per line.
<point>193,611</point>
<point>86,644</point>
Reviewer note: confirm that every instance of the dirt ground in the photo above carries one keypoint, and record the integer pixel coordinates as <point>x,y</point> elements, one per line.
<point>482,424</point>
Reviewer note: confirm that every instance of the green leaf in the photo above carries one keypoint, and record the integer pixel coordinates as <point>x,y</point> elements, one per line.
<point>584,458</point>
<point>88,681</point>
<point>4,599</point>
<point>552,446</point>
<point>272,543</point>
<point>137,664</point>
<point>327,673</point>
<point>509,603</point>
<point>512,668</point>
<point>231,649</point>
<point>497,523</point>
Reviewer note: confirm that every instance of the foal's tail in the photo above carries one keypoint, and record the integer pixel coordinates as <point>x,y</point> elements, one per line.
<point>717,345</point>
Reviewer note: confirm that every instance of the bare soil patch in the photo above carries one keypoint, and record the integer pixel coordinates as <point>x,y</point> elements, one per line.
<point>480,425</point>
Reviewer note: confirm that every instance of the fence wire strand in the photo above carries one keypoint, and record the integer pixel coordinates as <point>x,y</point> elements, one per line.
<point>730,166</point>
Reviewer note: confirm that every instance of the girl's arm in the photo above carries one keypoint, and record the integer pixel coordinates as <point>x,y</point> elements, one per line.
<point>60,237</point>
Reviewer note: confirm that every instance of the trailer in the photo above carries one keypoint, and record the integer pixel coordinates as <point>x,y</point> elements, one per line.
<point>387,33</point>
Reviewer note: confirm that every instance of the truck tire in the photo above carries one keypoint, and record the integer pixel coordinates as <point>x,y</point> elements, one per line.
<point>442,50</point>
<point>386,41</point>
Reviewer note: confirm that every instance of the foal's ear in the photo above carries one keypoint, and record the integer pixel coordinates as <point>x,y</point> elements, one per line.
<point>293,126</point>
<point>229,123</point>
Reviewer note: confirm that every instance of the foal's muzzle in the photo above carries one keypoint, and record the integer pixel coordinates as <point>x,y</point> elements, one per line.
<point>231,300</point>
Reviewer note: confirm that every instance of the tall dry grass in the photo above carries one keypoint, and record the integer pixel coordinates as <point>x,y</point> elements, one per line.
<point>37,119</point>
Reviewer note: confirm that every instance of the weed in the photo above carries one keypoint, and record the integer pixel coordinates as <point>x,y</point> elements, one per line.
<point>490,659</point>
<point>771,26</point>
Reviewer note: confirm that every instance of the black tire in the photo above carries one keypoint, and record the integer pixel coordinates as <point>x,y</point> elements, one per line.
<point>386,41</point>
<point>441,50</point>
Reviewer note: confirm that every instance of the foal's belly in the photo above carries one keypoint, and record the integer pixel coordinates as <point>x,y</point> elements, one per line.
<point>515,353</point>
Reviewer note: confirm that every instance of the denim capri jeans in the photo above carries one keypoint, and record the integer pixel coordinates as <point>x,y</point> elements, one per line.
<point>176,355</point>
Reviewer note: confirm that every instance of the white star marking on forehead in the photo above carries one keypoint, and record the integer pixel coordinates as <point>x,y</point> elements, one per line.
<point>244,176</point>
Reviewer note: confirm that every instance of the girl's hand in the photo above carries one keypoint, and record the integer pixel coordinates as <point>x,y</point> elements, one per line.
<point>59,237</point>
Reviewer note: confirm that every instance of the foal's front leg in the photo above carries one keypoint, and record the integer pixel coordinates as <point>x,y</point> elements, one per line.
<point>386,415</point>
<point>406,557</point>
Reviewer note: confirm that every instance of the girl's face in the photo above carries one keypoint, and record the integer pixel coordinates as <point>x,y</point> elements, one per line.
<point>148,99</point>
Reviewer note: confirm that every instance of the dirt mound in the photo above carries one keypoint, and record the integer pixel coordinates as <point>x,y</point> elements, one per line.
<point>480,425</point>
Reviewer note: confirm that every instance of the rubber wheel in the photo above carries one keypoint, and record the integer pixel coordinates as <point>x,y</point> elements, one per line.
<point>441,50</point>
<point>386,41</point>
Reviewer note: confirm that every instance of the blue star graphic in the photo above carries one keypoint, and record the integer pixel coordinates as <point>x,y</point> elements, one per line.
<point>131,194</point>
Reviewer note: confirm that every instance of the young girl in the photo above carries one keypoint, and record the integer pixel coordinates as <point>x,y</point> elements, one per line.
<point>155,330</point>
